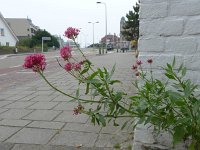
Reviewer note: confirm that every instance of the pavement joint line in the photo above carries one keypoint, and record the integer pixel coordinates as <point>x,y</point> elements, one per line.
<point>3,74</point>
<point>13,144</point>
<point>58,132</point>
<point>23,118</point>
<point>15,66</point>
<point>27,107</point>
<point>61,111</point>
<point>18,131</point>
<point>7,104</point>
<point>55,105</point>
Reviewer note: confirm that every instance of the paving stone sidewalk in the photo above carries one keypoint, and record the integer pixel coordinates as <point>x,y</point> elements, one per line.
<point>35,117</point>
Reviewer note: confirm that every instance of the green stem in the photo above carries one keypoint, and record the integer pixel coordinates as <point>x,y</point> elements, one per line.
<point>83,100</point>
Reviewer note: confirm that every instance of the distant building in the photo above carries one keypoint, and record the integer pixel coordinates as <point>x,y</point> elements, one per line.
<point>22,27</point>
<point>123,44</point>
<point>113,39</point>
<point>122,23</point>
<point>7,36</point>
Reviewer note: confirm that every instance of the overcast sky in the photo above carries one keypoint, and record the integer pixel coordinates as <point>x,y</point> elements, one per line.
<point>57,15</point>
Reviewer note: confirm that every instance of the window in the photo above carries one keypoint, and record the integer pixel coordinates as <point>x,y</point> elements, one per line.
<point>7,43</point>
<point>2,31</point>
<point>27,29</point>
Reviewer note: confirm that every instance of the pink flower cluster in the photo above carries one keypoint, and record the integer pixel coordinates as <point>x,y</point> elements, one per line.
<point>70,66</point>
<point>36,62</point>
<point>65,52</point>
<point>139,63</point>
<point>71,33</point>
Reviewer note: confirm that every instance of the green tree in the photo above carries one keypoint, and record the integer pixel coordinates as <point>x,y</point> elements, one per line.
<point>131,26</point>
<point>26,42</point>
<point>37,39</point>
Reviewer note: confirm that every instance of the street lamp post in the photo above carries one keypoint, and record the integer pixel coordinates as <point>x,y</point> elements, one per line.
<point>93,30</point>
<point>105,21</point>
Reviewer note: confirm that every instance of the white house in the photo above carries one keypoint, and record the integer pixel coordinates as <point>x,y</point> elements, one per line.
<point>7,36</point>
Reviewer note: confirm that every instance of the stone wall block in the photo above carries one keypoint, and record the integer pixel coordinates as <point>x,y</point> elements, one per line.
<point>155,44</point>
<point>192,62</point>
<point>184,8</point>
<point>158,10</point>
<point>192,26</point>
<point>181,45</point>
<point>162,27</point>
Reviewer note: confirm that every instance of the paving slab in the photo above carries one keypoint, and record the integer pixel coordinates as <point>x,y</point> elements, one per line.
<point>82,127</point>
<point>15,113</point>
<point>6,132</point>
<point>72,138</point>
<point>4,103</point>
<point>3,110</point>
<point>14,122</point>
<point>4,96</point>
<point>50,147</point>
<point>66,106</point>
<point>27,98</point>
<point>60,97</point>
<point>109,140</point>
<point>6,146</point>
<point>46,124</point>
<point>32,136</point>
<point>43,105</point>
<point>47,115</point>
<point>43,98</point>
<point>16,97</point>
<point>49,92</point>
<point>19,105</point>
<point>68,116</point>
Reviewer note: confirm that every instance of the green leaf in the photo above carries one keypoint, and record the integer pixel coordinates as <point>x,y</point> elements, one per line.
<point>93,75</point>
<point>113,70</point>
<point>180,68</point>
<point>114,81</point>
<point>170,76</point>
<point>174,62</point>
<point>169,67</point>
<point>101,119</point>
<point>100,73</point>
<point>87,88</point>
<point>184,71</point>
<point>192,145</point>
<point>87,65</point>
<point>84,71</point>
<point>93,81</point>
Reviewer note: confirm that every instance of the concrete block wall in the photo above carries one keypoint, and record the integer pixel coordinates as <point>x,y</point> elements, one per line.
<point>171,28</point>
<point>168,28</point>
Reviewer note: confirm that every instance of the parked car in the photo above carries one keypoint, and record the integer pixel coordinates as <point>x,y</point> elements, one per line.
<point>110,47</point>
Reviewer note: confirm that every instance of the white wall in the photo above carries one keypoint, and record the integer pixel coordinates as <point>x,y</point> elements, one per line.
<point>168,28</point>
<point>8,37</point>
<point>171,28</point>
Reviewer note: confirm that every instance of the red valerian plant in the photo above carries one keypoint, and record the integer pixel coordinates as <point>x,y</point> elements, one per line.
<point>170,105</point>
